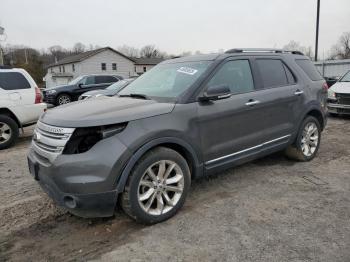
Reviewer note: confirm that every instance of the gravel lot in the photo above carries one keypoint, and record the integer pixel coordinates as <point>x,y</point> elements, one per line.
<point>272,209</point>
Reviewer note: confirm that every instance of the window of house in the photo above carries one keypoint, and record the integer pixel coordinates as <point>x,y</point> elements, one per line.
<point>114,66</point>
<point>236,75</point>
<point>64,69</point>
<point>144,69</point>
<point>13,81</point>
<point>60,69</point>
<point>272,72</point>
<point>135,69</point>
<point>73,67</point>
<point>103,66</point>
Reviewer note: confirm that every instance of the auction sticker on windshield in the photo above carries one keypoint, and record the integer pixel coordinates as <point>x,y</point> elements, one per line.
<point>187,70</point>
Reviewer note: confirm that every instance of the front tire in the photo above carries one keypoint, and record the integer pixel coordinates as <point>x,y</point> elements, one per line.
<point>63,99</point>
<point>8,131</point>
<point>157,187</point>
<point>307,142</point>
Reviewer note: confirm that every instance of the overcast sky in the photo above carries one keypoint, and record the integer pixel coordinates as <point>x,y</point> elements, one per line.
<point>173,26</point>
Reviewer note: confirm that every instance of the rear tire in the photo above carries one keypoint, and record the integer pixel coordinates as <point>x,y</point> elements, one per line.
<point>157,186</point>
<point>8,131</point>
<point>307,142</point>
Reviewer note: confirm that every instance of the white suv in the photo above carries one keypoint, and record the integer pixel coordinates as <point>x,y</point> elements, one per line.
<point>20,104</point>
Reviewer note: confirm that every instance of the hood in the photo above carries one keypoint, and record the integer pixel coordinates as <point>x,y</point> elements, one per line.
<point>100,92</point>
<point>104,110</point>
<point>341,87</point>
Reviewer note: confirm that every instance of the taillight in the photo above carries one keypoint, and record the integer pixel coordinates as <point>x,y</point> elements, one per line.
<point>38,97</point>
<point>325,86</point>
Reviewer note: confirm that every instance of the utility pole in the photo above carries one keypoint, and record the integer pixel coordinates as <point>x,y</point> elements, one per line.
<point>317,28</point>
<point>2,30</point>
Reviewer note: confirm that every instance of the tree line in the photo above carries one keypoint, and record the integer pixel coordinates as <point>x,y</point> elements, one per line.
<point>35,61</point>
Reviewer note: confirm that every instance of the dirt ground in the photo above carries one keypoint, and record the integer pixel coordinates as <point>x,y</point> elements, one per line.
<point>272,209</point>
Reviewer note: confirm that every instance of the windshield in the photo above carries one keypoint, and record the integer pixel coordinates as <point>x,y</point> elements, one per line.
<point>167,80</point>
<point>345,78</point>
<point>118,85</point>
<point>76,80</point>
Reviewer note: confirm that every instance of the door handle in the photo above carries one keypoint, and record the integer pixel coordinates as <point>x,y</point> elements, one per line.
<point>252,102</point>
<point>298,92</point>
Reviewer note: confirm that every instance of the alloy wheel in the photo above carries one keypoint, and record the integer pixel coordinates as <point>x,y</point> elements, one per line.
<point>63,100</point>
<point>5,132</point>
<point>309,139</point>
<point>160,187</point>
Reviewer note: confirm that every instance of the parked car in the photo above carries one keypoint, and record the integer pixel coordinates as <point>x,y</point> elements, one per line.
<point>60,95</point>
<point>112,90</point>
<point>186,118</point>
<point>339,96</point>
<point>20,104</point>
<point>331,81</point>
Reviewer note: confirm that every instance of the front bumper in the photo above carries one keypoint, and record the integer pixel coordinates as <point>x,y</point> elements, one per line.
<point>49,98</point>
<point>338,108</point>
<point>86,183</point>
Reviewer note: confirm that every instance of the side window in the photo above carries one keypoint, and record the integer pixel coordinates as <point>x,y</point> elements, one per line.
<point>89,80</point>
<point>272,72</point>
<point>13,81</point>
<point>111,79</point>
<point>309,69</point>
<point>290,76</point>
<point>236,74</point>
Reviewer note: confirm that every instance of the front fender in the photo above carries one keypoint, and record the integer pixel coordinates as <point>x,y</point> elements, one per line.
<point>198,167</point>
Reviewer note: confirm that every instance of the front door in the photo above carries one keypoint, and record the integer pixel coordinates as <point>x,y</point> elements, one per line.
<point>231,129</point>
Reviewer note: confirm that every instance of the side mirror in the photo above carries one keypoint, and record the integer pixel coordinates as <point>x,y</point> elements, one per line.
<point>80,85</point>
<point>216,93</point>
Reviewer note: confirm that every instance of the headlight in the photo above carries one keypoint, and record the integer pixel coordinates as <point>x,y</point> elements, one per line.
<point>331,94</point>
<point>83,139</point>
<point>50,92</point>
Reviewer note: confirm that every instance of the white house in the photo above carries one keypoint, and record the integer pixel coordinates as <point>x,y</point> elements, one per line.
<point>100,61</point>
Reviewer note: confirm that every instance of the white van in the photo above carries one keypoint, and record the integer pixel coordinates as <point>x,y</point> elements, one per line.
<point>20,104</point>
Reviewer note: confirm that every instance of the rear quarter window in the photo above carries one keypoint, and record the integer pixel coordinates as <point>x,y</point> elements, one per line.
<point>13,81</point>
<point>309,69</point>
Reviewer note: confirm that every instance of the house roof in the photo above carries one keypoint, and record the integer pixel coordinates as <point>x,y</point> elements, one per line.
<point>147,61</point>
<point>82,56</point>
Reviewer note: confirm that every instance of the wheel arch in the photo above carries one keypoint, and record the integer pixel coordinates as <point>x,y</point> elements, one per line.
<point>178,145</point>
<point>9,113</point>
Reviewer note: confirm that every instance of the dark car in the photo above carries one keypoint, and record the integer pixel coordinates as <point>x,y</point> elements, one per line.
<point>112,90</point>
<point>331,80</point>
<point>186,118</point>
<point>60,95</point>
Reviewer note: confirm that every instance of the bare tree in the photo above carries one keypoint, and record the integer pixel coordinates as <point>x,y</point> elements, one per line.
<point>342,49</point>
<point>78,48</point>
<point>295,46</point>
<point>129,51</point>
<point>149,51</point>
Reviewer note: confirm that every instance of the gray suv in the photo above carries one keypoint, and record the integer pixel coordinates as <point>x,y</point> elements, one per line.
<point>186,118</point>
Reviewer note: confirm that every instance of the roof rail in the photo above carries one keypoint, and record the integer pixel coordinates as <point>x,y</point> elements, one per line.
<point>263,50</point>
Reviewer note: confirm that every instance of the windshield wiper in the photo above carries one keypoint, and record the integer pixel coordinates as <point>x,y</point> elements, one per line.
<point>134,95</point>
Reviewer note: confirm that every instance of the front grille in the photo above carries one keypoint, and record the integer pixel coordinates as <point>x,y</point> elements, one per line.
<point>49,141</point>
<point>343,99</point>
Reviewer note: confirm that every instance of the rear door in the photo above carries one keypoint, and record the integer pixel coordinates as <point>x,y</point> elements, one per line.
<point>15,87</point>
<point>281,97</point>
<point>231,129</point>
